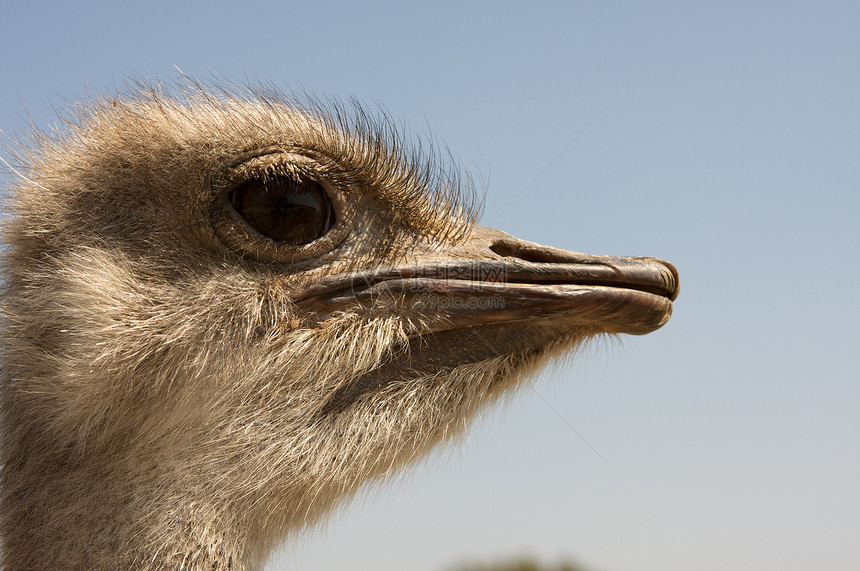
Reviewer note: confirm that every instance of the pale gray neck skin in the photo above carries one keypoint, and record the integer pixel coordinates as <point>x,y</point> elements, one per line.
<point>179,391</point>
<point>98,510</point>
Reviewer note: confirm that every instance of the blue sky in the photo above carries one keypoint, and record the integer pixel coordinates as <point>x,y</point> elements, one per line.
<point>724,137</point>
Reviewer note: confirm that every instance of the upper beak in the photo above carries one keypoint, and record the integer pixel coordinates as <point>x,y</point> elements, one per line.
<point>493,277</point>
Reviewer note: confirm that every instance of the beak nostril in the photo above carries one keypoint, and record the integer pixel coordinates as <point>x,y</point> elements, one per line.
<point>528,253</point>
<point>504,248</point>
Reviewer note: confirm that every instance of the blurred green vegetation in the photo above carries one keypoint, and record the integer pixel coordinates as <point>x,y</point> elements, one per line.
<point>524,564</point>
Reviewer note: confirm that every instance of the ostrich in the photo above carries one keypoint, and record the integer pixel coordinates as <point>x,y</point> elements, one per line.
<point>223,312</point>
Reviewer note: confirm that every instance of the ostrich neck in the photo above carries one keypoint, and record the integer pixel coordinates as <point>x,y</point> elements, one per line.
<point>65,508</point>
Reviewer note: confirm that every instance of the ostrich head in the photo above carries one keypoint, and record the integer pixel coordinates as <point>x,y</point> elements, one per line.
<point>222,314</point>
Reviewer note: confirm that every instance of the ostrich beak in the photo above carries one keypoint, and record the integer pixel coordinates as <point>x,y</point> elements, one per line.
<point>494,278</point>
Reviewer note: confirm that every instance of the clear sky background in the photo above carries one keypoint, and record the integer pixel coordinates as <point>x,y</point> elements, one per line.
<point>722,136</point>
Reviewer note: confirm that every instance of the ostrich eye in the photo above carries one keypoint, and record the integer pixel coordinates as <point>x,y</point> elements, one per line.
<point>289,211</point>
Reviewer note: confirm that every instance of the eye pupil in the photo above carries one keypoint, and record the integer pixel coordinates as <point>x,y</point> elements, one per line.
<point>289,211</point>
